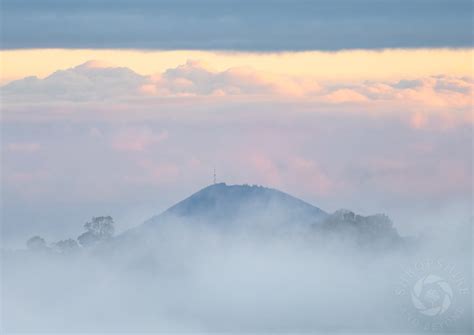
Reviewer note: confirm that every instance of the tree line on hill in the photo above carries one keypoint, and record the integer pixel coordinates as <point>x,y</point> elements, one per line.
<point>99,229</point>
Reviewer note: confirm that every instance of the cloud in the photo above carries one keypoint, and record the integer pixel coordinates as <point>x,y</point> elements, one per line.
<point>396,175</point>
<point>266,169</point>
<point>25,147</point>
<point>91,139</point>
<point>196,78</point>
<point>145,161</point>
<point>93,80</point>
<point>433,101</point>
<point>345,96</point>
<point>236,25</point>
<point>434,91</point>
<point>137,139</point>
<point>157,173</point>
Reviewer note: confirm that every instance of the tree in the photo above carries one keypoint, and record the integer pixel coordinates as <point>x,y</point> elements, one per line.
<point>66,246</point>
<point>36,243</point>
<point>99,229</point>
<point>101,226</point>
<point>87,239</point>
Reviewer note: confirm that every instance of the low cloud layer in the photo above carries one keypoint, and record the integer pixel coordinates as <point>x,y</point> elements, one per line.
<point>429,101</point>
<point>236,25</point>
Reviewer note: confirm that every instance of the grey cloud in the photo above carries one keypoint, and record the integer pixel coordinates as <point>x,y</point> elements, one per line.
<point>236,25</point>
<point>408,84</point>
<point>88,81</point>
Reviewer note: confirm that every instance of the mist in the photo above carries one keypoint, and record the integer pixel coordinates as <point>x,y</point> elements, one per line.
<point>195,276</point>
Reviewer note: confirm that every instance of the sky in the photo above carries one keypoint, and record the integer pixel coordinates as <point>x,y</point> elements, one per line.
<point>123,108</point>
<point>265,25</point>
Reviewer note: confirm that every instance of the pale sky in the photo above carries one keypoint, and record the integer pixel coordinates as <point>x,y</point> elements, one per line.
<point>355,65</point>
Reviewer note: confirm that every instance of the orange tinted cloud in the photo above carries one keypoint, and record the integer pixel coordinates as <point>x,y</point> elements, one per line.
<point>422,102</point>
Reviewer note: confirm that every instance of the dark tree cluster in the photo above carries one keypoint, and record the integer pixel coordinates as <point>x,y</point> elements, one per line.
<point>97,230</point>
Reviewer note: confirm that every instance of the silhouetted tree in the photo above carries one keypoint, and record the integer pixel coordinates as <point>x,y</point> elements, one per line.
<point>66,246</point>
<point>87,239</point>
<point>98,229</point>
<point>101,226</point>
<point>36,243</point>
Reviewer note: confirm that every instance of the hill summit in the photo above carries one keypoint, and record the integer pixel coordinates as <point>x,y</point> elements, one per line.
<point>226,204</point>
<point>261,210</point>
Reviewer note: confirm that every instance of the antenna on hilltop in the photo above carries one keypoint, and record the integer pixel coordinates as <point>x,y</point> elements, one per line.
<point>214,176</point>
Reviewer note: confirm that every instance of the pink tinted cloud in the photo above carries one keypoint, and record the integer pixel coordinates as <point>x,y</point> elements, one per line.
<point>196,78</point>
<point>266,169</point>
<point>316,180</point>
<point>284,170</point>
<point>429,102</point>
<point>137,139</point>
<point>153,172</point>
<point>445,100</point>
<point>93,81</point>
<point>345,96</point>
<point>25,147</point>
